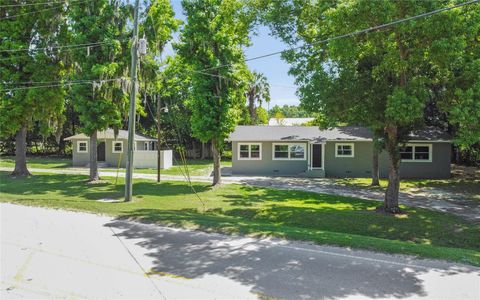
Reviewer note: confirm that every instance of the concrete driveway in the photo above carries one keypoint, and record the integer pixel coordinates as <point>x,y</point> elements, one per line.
<point>49,253</point>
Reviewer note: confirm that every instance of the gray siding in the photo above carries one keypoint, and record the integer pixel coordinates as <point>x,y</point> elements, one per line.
<point>265,166</point>
<point>361,164</point>
<point>112,158</point>
<point>80,159</point>
<point>358,166</point>
<point>438,168</point>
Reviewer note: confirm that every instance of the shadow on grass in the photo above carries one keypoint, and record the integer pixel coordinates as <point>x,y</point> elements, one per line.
<point>76,186</point>
<point>234,208</point>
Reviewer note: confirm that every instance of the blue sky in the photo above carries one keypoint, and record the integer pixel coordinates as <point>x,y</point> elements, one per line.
<point>282,87</point>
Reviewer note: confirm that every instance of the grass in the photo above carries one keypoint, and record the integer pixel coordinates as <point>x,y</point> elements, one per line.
<point>195,167</point>
<point>320,218</point>
<point>469,188</point>
<point>38,162</point>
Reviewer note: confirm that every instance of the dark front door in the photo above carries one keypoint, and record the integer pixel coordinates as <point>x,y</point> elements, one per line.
<point>316,156</point>
<point>101,151</point>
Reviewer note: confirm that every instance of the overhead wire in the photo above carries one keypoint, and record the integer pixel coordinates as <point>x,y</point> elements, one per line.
<point>43,10</point>
<point>185,172</point>
<point>33,4</point>
<point>203,71</point>
<point>59,84</point>
<point>366,30</point>
<point>70,46</point>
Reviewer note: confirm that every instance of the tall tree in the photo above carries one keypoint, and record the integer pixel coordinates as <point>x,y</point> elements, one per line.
<point>211,45</point>
<point>403,60</point>
<point>20,108</point>
<point>102,104</point>
<point>258,91</point>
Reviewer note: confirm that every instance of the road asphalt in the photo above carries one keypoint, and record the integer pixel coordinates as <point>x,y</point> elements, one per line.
<point>47,253</point>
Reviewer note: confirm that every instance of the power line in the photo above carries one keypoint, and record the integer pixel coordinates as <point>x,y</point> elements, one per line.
<point>41,10</point>
<point>32,12</point>
<point>67,50</point>
<point>367,30</point>
<point>32,4</point>
<point>71,46</point>
<point>59,84</point>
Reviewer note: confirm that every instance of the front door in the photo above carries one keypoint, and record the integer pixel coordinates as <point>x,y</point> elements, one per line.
<point>101,151</point>
<point>317,156</point>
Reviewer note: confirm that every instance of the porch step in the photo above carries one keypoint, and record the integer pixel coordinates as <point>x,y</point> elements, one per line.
<point>313,173</point>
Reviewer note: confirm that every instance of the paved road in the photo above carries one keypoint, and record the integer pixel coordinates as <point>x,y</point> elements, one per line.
<point>49,253</point>
<point>430,198</point>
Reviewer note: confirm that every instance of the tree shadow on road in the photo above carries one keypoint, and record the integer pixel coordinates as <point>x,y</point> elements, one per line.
<point>275,269</point>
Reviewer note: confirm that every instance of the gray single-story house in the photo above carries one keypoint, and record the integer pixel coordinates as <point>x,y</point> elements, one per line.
<point>337,152</point>
<point>112,150</point>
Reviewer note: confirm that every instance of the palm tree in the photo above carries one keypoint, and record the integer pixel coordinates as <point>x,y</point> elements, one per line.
<point>258,91</point>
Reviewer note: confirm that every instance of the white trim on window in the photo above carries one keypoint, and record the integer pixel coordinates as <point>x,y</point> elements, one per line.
<point>303,145</point>
<point>414,145</point>
<point>86,146</point>
<point>352,146</point>
<point>249,145</point>
<point>113,146</point>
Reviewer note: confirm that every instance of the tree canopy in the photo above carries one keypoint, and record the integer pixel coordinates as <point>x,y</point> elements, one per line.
<point>211,46</point>
<point>23,107</point>
<point>380,79</point>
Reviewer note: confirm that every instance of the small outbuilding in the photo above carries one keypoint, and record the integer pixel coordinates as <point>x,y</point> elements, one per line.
<point>112,150</point>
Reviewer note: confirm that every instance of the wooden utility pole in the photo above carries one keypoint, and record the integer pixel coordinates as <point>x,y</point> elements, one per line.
<point>131,115</point>
<point>159,109</point>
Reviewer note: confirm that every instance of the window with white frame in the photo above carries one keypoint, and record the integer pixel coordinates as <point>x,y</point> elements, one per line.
<point>344,150</point>
<point>82,147</point>
<point>250,151</point>
<point>286,151</point>
<point>117,146</point>
<point>416,153</point>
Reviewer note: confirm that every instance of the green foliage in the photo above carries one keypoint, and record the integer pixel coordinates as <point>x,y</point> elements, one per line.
<point>258,91</point>
<point>41,106</point>
<point>213,37</point>
<point>388,76</point>
<point>262,115</point>
<point>102,104</point>
<point>288,111</point>
<point>158,25</point>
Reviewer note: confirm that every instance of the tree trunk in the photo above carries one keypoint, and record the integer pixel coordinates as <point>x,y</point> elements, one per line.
<point>203,151</point>
<point>251,109</point>
<point>391,195</point>
<point>159,110</point>
<point>21,153</point>
<point>375,171</point>
<point>93,158</point>
<point>217,175</point>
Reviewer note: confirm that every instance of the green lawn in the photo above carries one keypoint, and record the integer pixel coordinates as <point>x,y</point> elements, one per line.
<point>324,219</point>
<point>195,167</point>
<point>38,162</point>
<point>468,188</point>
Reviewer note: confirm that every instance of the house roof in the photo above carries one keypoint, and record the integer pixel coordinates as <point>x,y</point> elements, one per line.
<point>288,121</point>
<point>109,134</point>
<point>314,134</point>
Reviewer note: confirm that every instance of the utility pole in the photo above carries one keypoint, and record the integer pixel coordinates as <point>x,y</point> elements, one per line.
<point>131,115</point>
<point>159,109</point>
